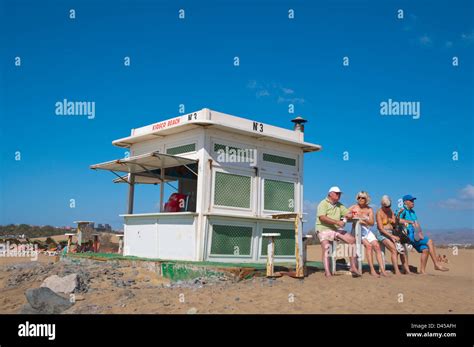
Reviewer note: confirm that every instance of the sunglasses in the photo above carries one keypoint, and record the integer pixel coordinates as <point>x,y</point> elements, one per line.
<point>361,197</point>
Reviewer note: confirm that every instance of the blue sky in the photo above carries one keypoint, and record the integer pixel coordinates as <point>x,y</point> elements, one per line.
<point>282,61</point>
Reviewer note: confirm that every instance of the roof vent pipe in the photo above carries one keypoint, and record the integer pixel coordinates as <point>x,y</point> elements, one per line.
<point>299,123</point>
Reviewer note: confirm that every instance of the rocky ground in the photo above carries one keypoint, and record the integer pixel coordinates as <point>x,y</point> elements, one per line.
<point>112,287</point>
<point>91,280</point>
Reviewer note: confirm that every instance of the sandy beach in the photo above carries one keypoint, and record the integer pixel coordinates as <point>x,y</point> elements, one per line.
<point>435,292</point>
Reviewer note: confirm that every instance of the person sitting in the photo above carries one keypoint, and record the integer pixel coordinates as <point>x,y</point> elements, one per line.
<point>366,220</point>
<point>385,224</point>
<point>418,240</point>
<point>329,227</point>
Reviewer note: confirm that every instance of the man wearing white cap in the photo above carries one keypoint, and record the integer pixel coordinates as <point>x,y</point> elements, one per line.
<point>329,227</point>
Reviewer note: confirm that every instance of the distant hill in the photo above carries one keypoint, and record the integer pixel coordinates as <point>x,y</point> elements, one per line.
<point>29,231</point>
<point>447,236</point>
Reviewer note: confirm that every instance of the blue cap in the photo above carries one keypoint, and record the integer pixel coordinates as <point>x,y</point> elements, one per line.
<point>408,197</point>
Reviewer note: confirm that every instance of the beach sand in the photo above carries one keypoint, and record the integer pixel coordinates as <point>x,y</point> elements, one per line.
<point>435,292</point>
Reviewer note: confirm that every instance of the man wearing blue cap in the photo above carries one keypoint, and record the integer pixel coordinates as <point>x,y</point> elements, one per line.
<point>421,243</point>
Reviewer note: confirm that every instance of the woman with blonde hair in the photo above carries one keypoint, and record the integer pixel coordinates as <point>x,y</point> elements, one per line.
<point>366,219</point>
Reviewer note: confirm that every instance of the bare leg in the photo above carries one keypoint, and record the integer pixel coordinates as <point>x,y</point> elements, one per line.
<point>393,254</point>
<point>348,238</point>
<point>326,248</point>
<point>378,255</point>
<point>370,259</point>
<point>436,263</point>
<point>424,261</point>
<point>405,265</point>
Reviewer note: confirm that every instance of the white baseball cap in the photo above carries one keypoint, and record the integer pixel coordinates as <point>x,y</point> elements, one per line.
<point>335,189</point>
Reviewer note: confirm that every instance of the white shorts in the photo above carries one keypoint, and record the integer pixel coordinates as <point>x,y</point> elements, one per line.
<point>367,234</point>
<point>369,237</point>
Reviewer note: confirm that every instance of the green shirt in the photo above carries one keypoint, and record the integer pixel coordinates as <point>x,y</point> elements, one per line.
<point>333,211</point>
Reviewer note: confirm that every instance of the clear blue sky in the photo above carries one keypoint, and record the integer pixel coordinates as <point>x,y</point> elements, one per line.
<point>190,62</point>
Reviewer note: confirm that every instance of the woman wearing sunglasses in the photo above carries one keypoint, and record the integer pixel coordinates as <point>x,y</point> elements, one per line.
<point>366,219</point>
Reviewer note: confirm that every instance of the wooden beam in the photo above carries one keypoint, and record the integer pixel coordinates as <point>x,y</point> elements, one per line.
<point>298,249</point>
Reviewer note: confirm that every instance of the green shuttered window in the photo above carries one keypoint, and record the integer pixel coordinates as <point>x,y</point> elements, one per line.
<point>232,190</point>
<point>181,149</point>
<point>279,159</point>
<point>231,240</point>
<point>279,196</point>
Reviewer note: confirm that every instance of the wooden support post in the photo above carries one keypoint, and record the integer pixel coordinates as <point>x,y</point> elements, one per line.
<point>298,249</point>
<point>270,252</point>
<point>96,244</point>
<point>120,242</point>
<point>131,192</point>
<point>69,242</point>
<point>79,237</point>
<point>299,271</point>
<point>270,256</point>
<point>69,239</point>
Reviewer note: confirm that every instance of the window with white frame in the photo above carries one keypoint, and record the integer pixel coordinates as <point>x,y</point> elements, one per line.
<point>232,190</point>
<point>187,148</point>
<point>279,159</point>
<point>278,195</point>
<point>231,240</point>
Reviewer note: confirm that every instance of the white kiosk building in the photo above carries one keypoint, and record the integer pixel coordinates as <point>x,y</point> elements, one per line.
<point>227,176</point>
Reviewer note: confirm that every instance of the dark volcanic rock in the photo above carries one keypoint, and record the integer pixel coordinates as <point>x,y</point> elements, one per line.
<point>44,300</point>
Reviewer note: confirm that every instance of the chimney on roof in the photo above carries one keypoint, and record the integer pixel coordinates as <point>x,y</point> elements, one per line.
<point>299,123</point>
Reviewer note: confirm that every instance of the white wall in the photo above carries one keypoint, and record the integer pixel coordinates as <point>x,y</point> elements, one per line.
<point>170,237</point>
<point>177,238</point>
<point>141,237</point>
